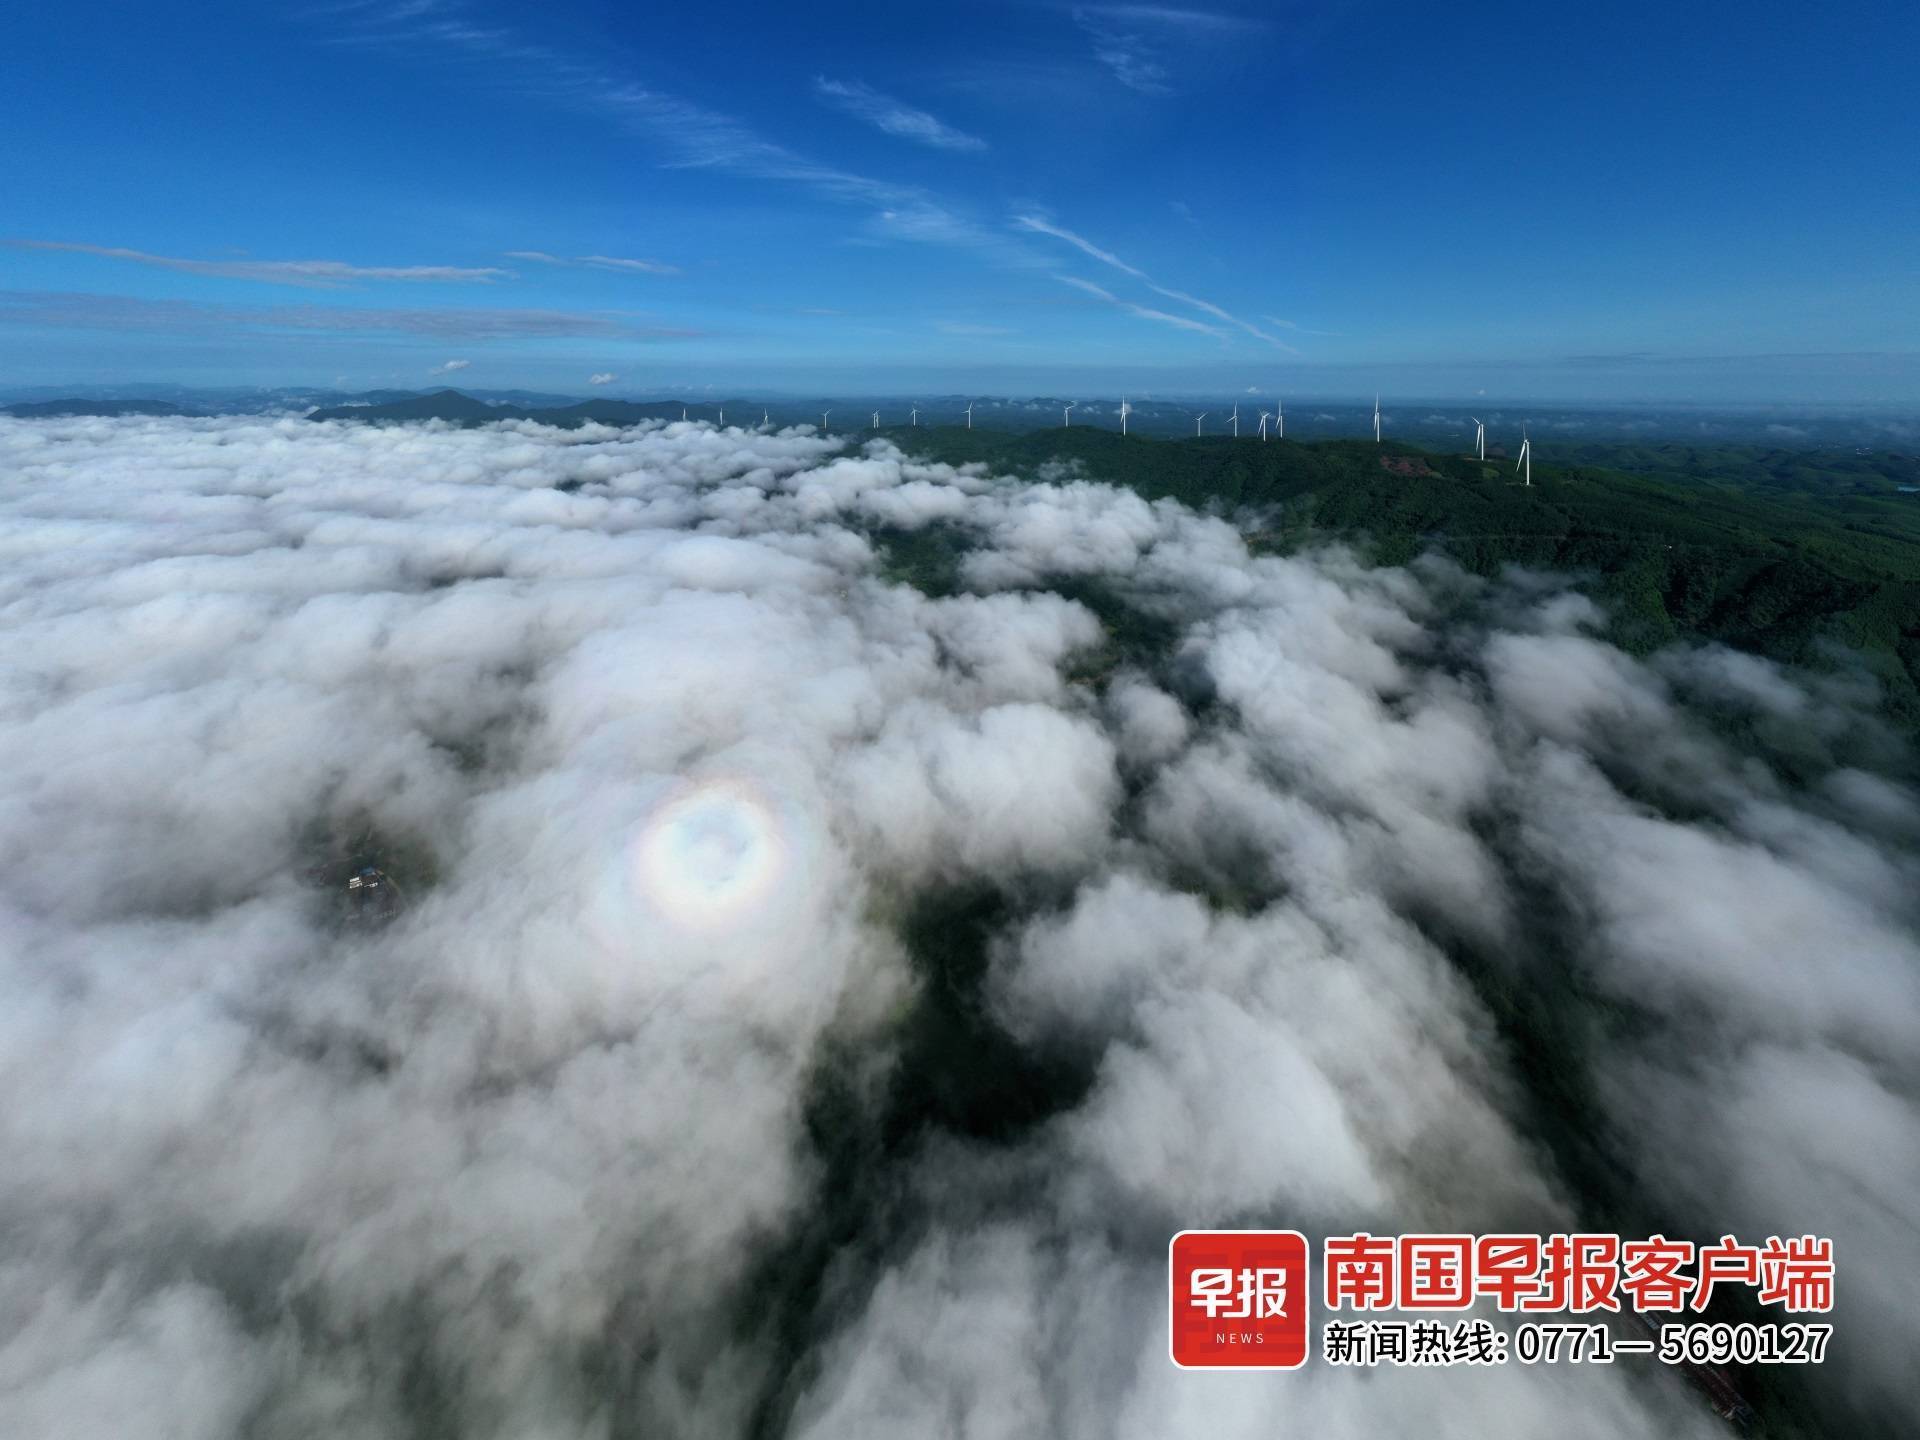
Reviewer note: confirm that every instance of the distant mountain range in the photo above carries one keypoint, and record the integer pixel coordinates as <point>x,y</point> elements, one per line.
<point>49,409</point>
<point>142,399</point>
<point>459,409</point>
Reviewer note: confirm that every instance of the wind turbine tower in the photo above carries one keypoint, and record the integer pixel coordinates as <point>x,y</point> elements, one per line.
<point>1376,419</point>
<point>970,414</point>
<point>1525,462</point>
<point>1479,435</point>
<point>876,419</point>
<point>1265,415</point>
<point>765,423</point>
<point>913,415</point>
<point>1236,422</point>
<point>1125,410</point>
<point>1280,417</point>
<point>1197,421</point>
<point>823,420</point>
<point>1066,414</point>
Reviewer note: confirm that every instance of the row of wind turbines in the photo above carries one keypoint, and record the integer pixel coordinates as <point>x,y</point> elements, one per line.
<point>1523,462</point>
<point>1278,415</point>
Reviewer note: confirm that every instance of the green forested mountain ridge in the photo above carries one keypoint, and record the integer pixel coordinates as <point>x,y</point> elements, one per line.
<point>1776,552</point>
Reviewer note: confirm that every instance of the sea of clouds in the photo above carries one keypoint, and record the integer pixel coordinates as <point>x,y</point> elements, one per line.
<point>1383,899</point>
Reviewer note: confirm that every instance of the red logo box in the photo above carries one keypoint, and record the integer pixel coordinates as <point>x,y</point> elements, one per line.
<point>1238,1299</point>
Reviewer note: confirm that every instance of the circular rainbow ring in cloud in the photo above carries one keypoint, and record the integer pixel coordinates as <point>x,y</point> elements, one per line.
<point>711,856</point>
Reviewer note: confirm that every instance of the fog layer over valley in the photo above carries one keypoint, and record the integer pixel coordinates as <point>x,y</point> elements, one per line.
<point>818,999</point>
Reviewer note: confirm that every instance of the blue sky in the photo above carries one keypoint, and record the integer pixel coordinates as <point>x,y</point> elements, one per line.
<point>1611,202</point>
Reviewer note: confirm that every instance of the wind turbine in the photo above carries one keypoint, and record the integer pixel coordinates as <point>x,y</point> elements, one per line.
<point>970,414</point>
<point>1236,422</point>
<point>1198,418</point>
<point>723,417</point>
<point>1280,415</point>
<point>1066,415</point>
<point>1526,455</point>
<point>913,415</point>
<point>1125,410</point>
<point>683,414</point>
<point>1376,419</point>
<point>823,420</point>
<point>764,422</point>
<point>1479,436</point>
<point>876,419</point>
<point>1265,415</point>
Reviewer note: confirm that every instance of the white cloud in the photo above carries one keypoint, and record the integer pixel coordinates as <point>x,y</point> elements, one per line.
<point>595,262</point>
<point>602,377</point>
<point>891,116</point>
<point>1133,58</point>
<point>127,312</point>
<point>1179,322</point>
<point>1295,326</point>
<point>449,367</point>
<point>691,135</point>
<point>686,135</point>
<point>1107,257</point>
<point>812,984</point>
<point>1135,42</point>
<point>308,274</point>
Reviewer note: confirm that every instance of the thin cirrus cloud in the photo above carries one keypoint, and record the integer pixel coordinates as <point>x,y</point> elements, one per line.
<point>596,262</point>
<point>894,117</point>
<point>307,274</point>
<point>1295,326</point>
<point>686,136</point>
<point>1145,312</point>
<point>928,223</point>
<point>1039,226</point>
<point>1125,53</point>
<point>1105,257</point>
<point>1133,41</point>
<point>184,317</point>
